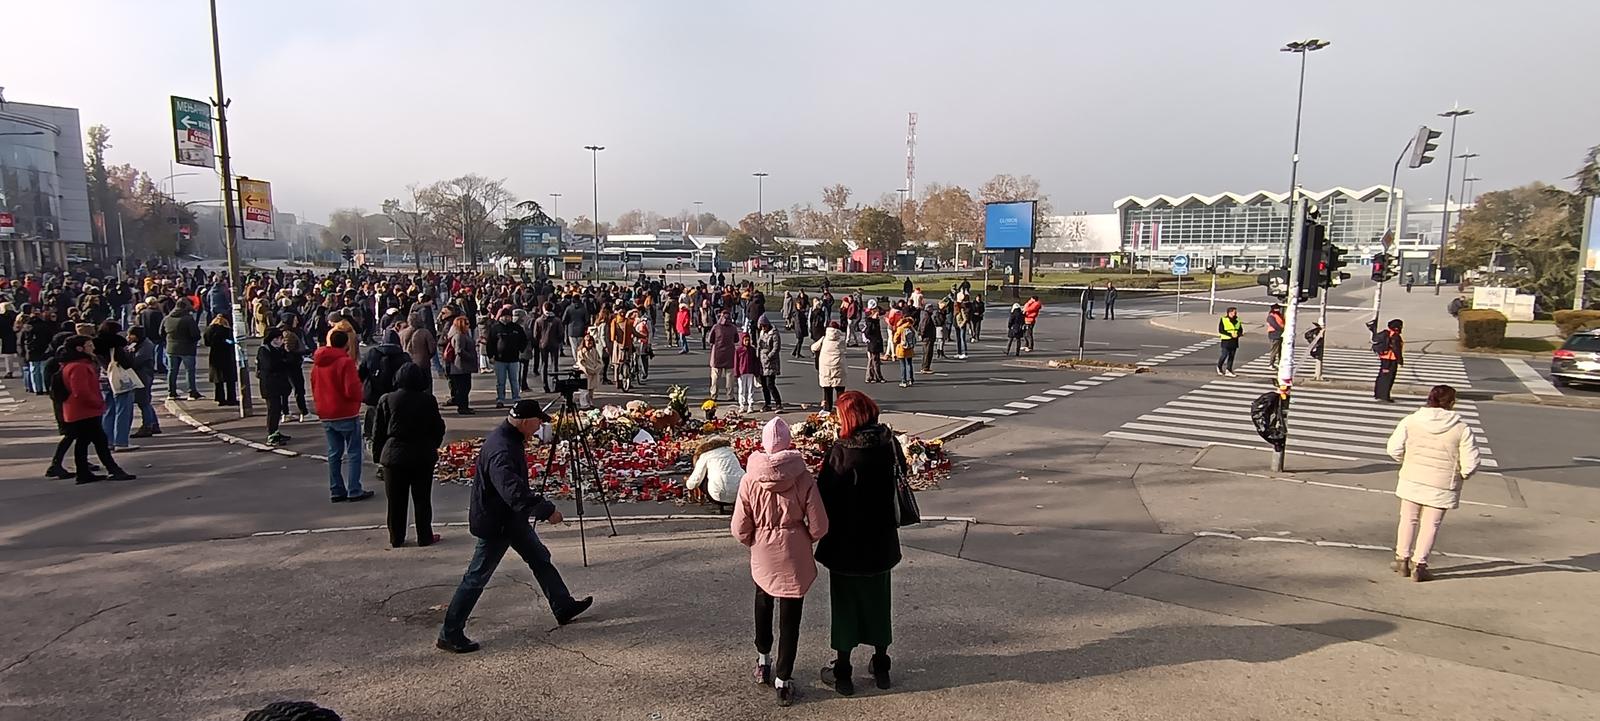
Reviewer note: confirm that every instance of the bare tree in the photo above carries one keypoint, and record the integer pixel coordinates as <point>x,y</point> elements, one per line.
<point>412,223</point>
<point>470,207</point>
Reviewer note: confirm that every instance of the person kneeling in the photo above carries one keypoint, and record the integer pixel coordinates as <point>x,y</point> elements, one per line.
<point>716,466</point>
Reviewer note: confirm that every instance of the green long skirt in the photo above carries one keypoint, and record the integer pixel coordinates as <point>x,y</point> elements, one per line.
<point>860,610</point>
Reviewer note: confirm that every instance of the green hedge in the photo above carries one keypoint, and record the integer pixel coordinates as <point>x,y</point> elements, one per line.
<point>1572,321</point>
<point>1482,328</point>
<point>836,280</point>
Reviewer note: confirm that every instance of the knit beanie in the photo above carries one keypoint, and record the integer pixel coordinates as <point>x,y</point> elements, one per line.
<point>775,437</point>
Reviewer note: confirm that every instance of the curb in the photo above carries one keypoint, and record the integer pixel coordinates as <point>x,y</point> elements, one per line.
<point>183,416</point>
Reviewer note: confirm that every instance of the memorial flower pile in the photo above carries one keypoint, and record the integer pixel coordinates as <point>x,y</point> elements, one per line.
<point>645,453</point>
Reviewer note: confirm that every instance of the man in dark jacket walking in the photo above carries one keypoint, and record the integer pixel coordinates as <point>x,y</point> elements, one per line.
<point>502,503</point>
<point>547,334</point>
<point>504,342</point>
<point>182,332</point>
<point>927,329</point>
<point>576,320</point>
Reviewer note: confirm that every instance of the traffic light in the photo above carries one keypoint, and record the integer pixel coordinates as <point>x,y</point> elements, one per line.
<point>1312,267</point>
<point>1332,264</point>
<point>1276,282</point>
<point>1423,145</point>
<point>1381,268</point>
<point>348,252</point>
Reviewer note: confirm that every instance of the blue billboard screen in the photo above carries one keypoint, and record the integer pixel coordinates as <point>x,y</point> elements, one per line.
<point>1008,225</point>
<point>540,240</point>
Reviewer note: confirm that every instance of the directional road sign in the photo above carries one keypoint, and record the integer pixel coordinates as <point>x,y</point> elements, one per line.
<point>191,130</point>
<point>1180,265</point>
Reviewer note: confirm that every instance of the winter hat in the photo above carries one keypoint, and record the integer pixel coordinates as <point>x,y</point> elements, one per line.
<point>775,437</point>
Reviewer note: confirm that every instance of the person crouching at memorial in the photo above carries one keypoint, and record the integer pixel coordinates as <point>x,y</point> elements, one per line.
<point>502,504</point>
<point>779,515</point>
<point>716,467</point>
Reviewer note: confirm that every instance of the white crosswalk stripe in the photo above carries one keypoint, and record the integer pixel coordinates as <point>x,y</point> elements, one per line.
<point>1336,423</point>
<point>1353,364</point>
<point>1099,312</point>
<point>7,401</point>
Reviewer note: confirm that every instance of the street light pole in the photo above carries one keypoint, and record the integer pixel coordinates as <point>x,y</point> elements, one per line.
<point>761,211</point>
<point>1454,114</point>
<point>555,206</point>
<point>697,205</point>
<point>230,227</point>
<point>1465,158</point>
<point>1387,241</point>
<point>594,176</point>
<point>1302,48</point>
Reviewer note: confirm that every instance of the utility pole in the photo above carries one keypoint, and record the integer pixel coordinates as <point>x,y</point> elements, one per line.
<point>594,177</point>
<point>230,227</point>
<point>1389,225</point>
<point>761,212</point>
<point>1297,219</point>
<point>1302,48</point>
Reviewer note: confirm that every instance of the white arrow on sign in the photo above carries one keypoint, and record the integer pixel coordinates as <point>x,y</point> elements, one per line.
<point>189,122</point>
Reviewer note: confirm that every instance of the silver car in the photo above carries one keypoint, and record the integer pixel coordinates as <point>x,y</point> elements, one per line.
<point>1578,360</point>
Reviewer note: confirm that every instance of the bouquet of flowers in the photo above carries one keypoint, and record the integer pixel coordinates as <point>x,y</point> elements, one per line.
<point>710,409</point>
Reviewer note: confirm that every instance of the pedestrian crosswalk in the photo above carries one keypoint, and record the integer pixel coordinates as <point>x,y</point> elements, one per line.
<point>1099,313</point>
<point>1341,424</point>
<point>8,402</point>
<point>1352,364</point>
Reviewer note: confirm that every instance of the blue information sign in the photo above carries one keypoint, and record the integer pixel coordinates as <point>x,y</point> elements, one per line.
<point>1180,265</point>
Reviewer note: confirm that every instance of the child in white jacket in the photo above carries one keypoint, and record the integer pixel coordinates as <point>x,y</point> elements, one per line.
<point>716,465</point>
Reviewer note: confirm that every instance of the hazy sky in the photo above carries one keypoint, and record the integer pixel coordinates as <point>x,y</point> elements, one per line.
<point>344,102</point>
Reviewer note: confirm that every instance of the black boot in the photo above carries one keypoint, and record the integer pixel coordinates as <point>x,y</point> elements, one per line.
<point>837,675</point>
<point>880,670</point>
<point>457,644</point>
<point>56,471</point>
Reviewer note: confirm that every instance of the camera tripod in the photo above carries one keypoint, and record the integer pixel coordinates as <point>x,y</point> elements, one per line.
<point>578,450</point>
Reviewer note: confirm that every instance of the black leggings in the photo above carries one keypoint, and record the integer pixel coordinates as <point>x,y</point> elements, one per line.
<point>460,389</point>
<point>769,391</point>
<point>82,433</point>
<point>276,402</point>
<point>829,393</point>
<point>417,481</point>
<point>788,631</point>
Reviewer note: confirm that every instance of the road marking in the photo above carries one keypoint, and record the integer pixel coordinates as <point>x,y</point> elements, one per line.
<point>1008,380</point>
<point>1039,399</point>
<point>1149,345</point>
<point>1000,412</point>
<point>1023,406</point>
<point>1536,383</point>
<point>1575,459</point>
<point>1057,392</point>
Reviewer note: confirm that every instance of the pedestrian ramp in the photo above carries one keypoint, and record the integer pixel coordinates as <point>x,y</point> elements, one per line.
<point>1352,364</point>
<point>1347,425</point>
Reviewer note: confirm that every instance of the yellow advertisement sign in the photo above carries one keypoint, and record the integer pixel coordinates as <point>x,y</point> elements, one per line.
<point>255,205</point>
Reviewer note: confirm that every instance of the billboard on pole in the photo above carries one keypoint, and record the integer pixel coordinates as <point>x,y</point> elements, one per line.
<point>191,132</point>
<point>1591,237</point>
<point>255,205</point>
<point>540,241</point>
<point>1008,226</point>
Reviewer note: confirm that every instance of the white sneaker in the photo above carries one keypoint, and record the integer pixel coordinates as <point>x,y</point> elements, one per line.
<point>1230,374</point>
<point>1219,371</point>
<point>309,418</point>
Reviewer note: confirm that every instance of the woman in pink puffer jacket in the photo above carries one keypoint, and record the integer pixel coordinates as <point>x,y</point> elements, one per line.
<point>779,515</point>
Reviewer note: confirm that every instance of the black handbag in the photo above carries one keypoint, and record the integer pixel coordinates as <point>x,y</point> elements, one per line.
<point>906,511</point>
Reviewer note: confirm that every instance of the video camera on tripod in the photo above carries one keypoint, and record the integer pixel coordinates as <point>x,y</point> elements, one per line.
<point>574,382</point>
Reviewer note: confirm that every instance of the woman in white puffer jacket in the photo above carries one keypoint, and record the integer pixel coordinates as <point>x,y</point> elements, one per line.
<point>1436,454</point>
<point>716,465</point>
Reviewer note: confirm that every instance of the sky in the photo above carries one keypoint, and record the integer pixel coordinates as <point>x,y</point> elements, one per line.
<point>342,103</point>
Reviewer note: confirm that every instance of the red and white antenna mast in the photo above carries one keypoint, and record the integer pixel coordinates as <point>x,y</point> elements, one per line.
<point>911,156</point>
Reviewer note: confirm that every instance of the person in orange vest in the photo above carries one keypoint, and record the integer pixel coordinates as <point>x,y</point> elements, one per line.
<point>1390,348</point>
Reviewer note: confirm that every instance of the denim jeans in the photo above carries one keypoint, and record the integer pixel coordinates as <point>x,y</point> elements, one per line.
<point>486,557</point>
<point>344,443</point>
<point>147,410</point>
<point>33,375</point>
<point>961,340</point>
<point>507,372</point>
<point>117,421</point>
<point>174,364</point>
<point>907,370</point>
<point>161,355</point>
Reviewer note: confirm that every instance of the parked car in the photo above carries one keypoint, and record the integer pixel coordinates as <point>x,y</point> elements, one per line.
<point>1578,360</point>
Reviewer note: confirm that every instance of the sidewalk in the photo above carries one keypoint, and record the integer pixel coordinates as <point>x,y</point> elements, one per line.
<point>337,619</point>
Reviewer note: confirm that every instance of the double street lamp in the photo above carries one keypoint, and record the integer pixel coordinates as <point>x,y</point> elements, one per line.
<point>594,175</point>
<point>1302,48</point>
<point>761,213</point>
<point>1455,113</point>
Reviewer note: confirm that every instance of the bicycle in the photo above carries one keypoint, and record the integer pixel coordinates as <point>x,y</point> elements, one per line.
<point>628,371</point>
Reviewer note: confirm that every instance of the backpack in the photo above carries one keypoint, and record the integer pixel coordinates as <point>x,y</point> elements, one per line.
<point>1380,342</point>
<point>59,391</point>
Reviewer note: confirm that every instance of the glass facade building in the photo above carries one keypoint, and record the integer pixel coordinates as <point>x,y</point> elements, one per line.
<point>42,186</point>
<point>1248,231</point>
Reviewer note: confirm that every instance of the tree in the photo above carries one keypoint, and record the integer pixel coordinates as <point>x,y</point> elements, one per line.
<point>1588,175</point>
<point>948,214</point>
<point>808,222</point>
<point>582,225</point>
<point>413,224</point>
<point>470,207</point>
<point>1533,231</point>
<point>879,230</point>
<point>525,214</point>
<point>102,199</point>
<point>629,222</point>
<point>737,246</point>
<point>1005,188</point>
<point>833,249</point>
<point>343,222</point>
<point>775,223</point>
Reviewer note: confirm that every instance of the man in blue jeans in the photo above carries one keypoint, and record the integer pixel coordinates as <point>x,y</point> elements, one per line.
<point>336,389</point>
<point>183,345</point>
<point>504,342</point>
<point>502,504</point>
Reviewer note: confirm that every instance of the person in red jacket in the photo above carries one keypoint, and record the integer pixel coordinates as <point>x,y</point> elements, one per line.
<point>336,389</point>
<point>82,408</point>
<point>1030,316</point>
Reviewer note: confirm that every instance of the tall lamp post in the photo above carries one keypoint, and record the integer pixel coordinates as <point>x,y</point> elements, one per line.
<point>697,205</point>
<point>761,211</point>
<point>1468,191</point>
<point>1454,113</point>
<point>1302,48</point>
<point>594,175</point>
<point>230,225</point>
<point>555,206</point>
<point>1466,157</point>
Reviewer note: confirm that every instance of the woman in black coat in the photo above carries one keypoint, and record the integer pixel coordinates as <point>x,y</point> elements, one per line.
<point>407,431</point>
<point>1016,329</point>
<point>274,365</point>
<point>858,488</point>
<point>218,338</point>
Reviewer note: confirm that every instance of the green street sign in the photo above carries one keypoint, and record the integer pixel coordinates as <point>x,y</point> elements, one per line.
<point>191,131</point>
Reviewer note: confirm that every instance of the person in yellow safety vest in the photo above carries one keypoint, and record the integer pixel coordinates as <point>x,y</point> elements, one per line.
<point>1229,328</point>
<point>1390,348</point>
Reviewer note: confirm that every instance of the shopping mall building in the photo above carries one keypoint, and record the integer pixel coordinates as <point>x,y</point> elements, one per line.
<point>1247,232</point>
<point>44,196</point>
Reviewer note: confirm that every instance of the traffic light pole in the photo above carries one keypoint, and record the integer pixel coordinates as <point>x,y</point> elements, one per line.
<point>1388,230</point>
<point>1286,357</point>
<point>230,230</point>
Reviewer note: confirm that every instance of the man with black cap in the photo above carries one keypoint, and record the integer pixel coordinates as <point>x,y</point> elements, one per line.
<point>502,503</point>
